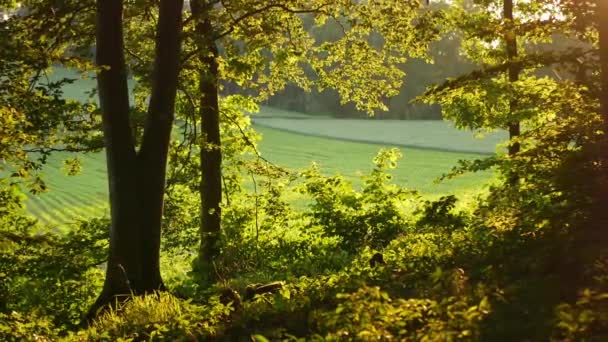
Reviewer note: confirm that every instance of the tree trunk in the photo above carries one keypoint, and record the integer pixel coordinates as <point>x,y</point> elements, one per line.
<point>152,157</point>
<point>123,270</point>
<point>603,38</point>
<point>601,214</point>
<point>590,239</point>
<point>511,45</point>
<point>210,149</point>
<point>136,180</point>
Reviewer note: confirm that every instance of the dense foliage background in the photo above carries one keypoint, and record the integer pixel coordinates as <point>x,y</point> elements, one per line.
<point>516,252</point>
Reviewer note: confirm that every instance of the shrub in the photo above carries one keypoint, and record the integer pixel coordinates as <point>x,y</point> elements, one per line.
<point>157,316</point>
<point>26,327</point>
<point>371,217</point>
<point>587,318</point>
<point>52,275</point>
<point>372,315</point>
<point>440,214</point>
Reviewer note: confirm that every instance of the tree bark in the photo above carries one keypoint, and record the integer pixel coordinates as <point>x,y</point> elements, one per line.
<point>124,266</point>
<point>511,45</point>
<point>152,157</point>
<point>210,149</point>
<point>136,180</point>
<point>590,239</point>
<point>603,38</point>
<point>601,214</point>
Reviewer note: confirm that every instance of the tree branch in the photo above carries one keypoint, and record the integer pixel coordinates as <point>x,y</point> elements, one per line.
<point>46,150</point>
<point>530,61</point>
<point>238,20</point>
<point>8,236</point>
<point>134,55</point>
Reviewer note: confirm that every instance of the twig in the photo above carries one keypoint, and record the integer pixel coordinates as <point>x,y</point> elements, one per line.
<point>62,149</point>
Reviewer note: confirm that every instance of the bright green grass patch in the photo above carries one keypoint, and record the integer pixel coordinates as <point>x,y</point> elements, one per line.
<point>431,134</point>
<point>273,113</point>
<point>83,85</point>
<point>418,169</point>
<point>85,195</point>
<point>294,140</point>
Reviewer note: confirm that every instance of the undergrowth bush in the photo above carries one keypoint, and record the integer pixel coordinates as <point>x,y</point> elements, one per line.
<point>372,315</point>
<point>370,217</point>
<point>48,274</point>
<point>586,319</point>
<point>263,234</point>
<point>32,326</point>
<point>159,316</point>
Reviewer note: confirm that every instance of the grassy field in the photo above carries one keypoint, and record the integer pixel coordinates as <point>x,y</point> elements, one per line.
<point>417,170</point>
<point>86,193</point>
<point>429,134</point>
<point>71,196</point>
<point>293,140</point>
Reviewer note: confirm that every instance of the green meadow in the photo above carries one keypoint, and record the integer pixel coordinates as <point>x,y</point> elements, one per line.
<point>292,140</point>
<point>418,169</point>
<point>86,194</point>
<point>429,134</point>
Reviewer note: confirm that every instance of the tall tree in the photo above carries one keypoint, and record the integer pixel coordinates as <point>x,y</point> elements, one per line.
<point>511,47</point>
<point>601,215</point>
<point>509,87</point>
<point>263,46</point>
<point>602,11</point>
<point>136,178</point>
<point>210,147</point>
